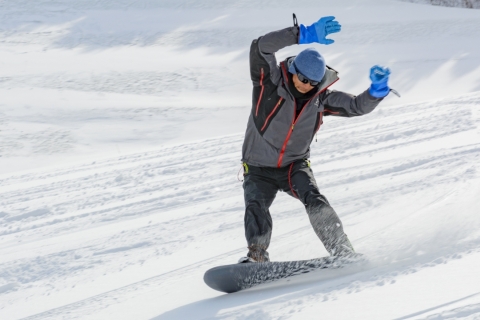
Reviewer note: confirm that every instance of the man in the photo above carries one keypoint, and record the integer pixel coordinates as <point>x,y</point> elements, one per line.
<point>289,102</point>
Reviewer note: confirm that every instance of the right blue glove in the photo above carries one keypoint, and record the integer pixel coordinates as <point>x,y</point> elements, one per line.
<point>379,76</point>
<point>319,30</point>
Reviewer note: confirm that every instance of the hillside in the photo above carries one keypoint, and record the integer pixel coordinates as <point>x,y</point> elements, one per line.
<point>121,131</point>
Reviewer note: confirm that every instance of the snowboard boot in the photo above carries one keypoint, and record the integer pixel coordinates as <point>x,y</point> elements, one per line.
<point>246,260</point>
<point>343,249</point>
<point>255,254</point>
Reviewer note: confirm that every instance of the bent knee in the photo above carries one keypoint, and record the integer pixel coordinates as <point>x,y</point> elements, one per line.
<point>315,199</point>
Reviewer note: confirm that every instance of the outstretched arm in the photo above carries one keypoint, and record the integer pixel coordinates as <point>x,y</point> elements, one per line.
<point>346,105</point>
<point>342,104</point>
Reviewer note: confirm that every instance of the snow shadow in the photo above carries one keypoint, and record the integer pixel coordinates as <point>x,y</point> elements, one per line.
<point>416,50</point>
<point>325,285</point>
<point>98,25</point>
<point>282,289</point>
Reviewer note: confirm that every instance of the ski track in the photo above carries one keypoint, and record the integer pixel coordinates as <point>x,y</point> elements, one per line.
<point>93,304</point>
<point>184,178</point>
<point>467,312</point>
<point>378,276</point>
<point>309,289</point>
<point>151,209</point>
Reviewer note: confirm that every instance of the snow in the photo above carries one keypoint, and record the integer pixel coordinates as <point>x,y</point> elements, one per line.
<point>121,125</point>
<point>472,4</point>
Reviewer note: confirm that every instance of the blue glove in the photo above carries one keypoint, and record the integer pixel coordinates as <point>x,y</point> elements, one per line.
<point>319,30</point>
<point>379,76</point>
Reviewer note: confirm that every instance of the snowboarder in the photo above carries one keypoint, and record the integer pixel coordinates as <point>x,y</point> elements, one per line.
<point>288,104</point>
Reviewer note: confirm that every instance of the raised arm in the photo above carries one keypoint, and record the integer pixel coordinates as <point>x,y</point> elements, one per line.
<point>263,64</point>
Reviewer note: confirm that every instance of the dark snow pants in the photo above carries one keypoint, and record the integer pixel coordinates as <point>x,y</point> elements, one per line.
<point>261,185</point>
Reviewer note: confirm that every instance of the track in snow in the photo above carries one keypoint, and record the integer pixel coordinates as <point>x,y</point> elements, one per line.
<point>116,216</point>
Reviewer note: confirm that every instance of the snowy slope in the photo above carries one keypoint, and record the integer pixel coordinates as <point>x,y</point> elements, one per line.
<point>121,129</point>
<point>131,236</point>
<point>92,79</point>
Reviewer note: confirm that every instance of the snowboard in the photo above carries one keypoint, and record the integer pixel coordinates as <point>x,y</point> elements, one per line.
<point>240,276</point>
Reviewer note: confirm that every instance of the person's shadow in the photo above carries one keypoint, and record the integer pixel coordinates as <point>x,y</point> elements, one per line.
<point>277,292</point>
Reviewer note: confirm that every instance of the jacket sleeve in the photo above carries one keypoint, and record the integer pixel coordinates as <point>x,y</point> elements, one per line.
<point>263,64</point>
<point>343,104</point>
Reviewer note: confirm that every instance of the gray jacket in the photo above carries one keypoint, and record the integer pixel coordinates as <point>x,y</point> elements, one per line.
<point>276,136</point>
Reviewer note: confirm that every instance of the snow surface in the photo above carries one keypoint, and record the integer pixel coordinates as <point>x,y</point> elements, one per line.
<point>472,4</point>
<point>121,124</point>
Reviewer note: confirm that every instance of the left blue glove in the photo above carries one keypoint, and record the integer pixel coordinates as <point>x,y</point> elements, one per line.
<point>379,76</point>
<point>319,30</point>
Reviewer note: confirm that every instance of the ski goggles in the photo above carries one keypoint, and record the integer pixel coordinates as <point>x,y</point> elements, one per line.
<point>304,79</point>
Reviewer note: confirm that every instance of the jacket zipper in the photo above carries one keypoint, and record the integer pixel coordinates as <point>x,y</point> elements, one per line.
<point>284,147</point>
<point>261,92</point>
<point>320,121</point>
<point>271,114</point>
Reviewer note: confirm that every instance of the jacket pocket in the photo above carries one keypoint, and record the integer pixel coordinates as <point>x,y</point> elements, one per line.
<point>271,114</point>
<point>262,87</point>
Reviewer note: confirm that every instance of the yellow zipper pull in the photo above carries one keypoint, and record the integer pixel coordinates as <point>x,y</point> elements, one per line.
<point>293,126</point>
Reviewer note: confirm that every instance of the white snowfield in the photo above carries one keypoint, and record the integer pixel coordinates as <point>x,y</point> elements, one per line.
<point>121,127</point>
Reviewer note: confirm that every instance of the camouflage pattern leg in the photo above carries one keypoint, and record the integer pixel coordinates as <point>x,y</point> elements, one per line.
<point>324,220</point>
